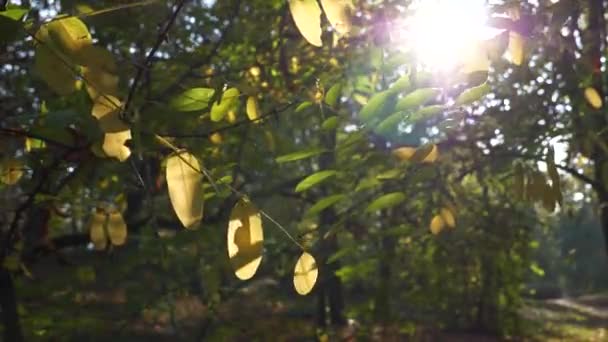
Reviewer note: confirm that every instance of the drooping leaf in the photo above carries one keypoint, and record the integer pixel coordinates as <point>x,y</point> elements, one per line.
<point>402,84</point>
<point>390,124</point>
<point>192,99</point>
<point>253,109</point>
<point>593,97</point>
<point>307,16</point>
<point>386,201</point>
<point>311,152</point>
<point>97,231</point>
<point>448,217</point>
<point>427,153</point>
<point>314,179</point>
<point>11,171</point>
<point>338,14</point>
<point>324,203</point>
<point>305,274</point>
<point>472,94</point>
<point>114,145</point>
<point>437,225</point>
<point>418,97</point>
<point>184,179</point>
<point>516,48</point>
<point>244,239</point>
<point>303,106</point>
<point>426,113</point>
<point>228,102</point>
<point>107,110</point>
<point>117,229</point>
<point>70,34</point>
<point>554,176</point>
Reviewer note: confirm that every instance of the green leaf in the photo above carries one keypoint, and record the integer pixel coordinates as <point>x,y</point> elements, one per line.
<point>472,94</point>
<point>314,179</point>
<point>417,98</point>
<point>192,99</point>
<point>386,201</point>
<point>324,203</point>
<point>377,106</point>
<point>303,106</point>
<point>330,123</point>
<point>229,101</point>
<point>390,124</point>
<point>402,84</point>
<point>300,155</point>
<point>425,113</point>
<point>333,94</point>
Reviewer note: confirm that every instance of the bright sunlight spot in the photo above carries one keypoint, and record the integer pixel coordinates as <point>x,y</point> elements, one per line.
<point>445,34</point>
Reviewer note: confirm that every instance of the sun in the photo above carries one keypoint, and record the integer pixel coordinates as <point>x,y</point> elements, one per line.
<point>445,34</point>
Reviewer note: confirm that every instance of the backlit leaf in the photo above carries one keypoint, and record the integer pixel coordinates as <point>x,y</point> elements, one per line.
<point>117,229</point>
<point>305,274</point>
<point>245,238</point>
<point>307,16</point>
<point>183,175</point>
<point>437,224</point>
<point>70,34</point>
<point>314,179</point>
<point>416,98</point>
<point>448,217</point>
<point>229,101</point>
<point>324,203</point>
<point>593,98</point>
<point>253,110</point>
<point>333,94</point>
<point>300,155</point>
<point>192,99</point>
<point>338,14</point>
<point>114,145</point>
<point>386,201</point>
<point>11,171</point>
<point>516,48</point>
<point>379,104</point>
<point>472,94</point>
<point>58,76</point>
<point>107,110</point>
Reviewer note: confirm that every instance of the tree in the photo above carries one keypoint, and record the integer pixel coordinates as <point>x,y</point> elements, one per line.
<point>145,128</point>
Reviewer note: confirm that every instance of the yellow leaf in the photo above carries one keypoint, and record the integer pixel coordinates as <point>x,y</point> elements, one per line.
<point>184,179</point>
<point>107,112</point>
<point>97,231</point>
<point>244,239</point>
<point>516,48</point>
<point>338,14</point>
<point>253,110</point>
<point>307,16</point>
<point>305,274</point>
<point>448,217</point>
<point>12,170</point>
<point>228,102</point>
<point>593,97</point>
<point>427,153</point>
<point>69,34</point>
<point>231,116</point>
<point>437,224</point>
<point>117,229</point>
<point>216,138</point>
<point>114,145</point>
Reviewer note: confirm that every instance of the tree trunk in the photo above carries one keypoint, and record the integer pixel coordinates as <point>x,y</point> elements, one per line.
<point>8,304</point>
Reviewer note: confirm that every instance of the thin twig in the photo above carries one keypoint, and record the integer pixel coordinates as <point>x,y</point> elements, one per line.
<point>162,36</point>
